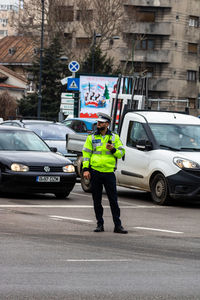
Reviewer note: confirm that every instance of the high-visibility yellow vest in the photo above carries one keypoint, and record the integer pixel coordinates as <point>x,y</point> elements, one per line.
<point>97,156</point>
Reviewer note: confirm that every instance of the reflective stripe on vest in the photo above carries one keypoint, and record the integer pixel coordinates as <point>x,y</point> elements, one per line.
<point>87,150</point>
<point>86,159</point>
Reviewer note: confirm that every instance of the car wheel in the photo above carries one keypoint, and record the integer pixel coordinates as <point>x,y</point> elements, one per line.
<point>159,190</point>
<point>62,195</point>
<point>86,184</point>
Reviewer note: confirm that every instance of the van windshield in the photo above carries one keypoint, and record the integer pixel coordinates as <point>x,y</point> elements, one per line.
<point>177,136</point>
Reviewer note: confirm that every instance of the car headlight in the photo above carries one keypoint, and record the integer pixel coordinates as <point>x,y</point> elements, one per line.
<point>185,163</point>
<point>69,169</point>
<point>19,168</point>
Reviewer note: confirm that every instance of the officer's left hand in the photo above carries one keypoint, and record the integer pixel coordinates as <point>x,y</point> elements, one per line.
<point>109,146</point>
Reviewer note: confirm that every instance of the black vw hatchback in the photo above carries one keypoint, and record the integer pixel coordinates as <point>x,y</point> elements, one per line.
<point>27,164</point>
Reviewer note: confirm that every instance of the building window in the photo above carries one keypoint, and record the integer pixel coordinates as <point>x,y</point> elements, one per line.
<point>64,13</point>
<point>4,22</point>
<point>145,16</point>
<point>4,32</point>
<point>192,48</point>
<point>84,15</point>
<point>83,42</point>
<point>144,45</point>
<point>194,21</point>
<point>191,75</point>
<point>8,7</point>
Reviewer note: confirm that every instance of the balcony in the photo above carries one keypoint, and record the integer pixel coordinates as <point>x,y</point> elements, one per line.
<point>159,85</point>
<point>153,56</point>
<point>145,28</point>
<point>150,3</point>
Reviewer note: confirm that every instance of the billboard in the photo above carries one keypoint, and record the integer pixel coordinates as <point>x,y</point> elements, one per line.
<point>95,95</point>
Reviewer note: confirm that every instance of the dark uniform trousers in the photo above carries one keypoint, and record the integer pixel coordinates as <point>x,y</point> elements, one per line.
<point>108,180</point>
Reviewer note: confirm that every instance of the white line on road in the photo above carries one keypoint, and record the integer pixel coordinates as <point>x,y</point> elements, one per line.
<point>44,206</point>
<point>156,229</point>
<point>98,260</point>
<point>71,206</point>
<point>72,219</point>
<point>79,194</point>
<point>103,198</point>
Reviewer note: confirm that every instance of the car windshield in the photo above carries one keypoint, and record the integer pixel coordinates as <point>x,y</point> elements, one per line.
<point>50,131</point>
<point>177,136</point>
<point>21,141</point>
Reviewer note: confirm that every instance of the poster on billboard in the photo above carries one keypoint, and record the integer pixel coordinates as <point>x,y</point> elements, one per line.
<point>95,94</point>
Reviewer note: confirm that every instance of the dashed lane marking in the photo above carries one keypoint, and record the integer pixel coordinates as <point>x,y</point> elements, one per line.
<point>98,260</point>
<point>157,229</point>
<point>72,219</point>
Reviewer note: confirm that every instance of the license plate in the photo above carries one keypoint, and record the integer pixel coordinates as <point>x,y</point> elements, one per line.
<point>48,178</point>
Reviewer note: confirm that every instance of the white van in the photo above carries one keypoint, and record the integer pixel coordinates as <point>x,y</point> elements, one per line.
<point>162,154</point>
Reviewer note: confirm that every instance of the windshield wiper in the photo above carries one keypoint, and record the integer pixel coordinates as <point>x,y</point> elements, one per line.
<point>169,147</point>
<point>189,148</point>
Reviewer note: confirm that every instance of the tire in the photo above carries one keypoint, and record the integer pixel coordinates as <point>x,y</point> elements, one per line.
<point>86,184</point>
<point>79,165</point>
<point>62,195</point>
<point>159,190</point>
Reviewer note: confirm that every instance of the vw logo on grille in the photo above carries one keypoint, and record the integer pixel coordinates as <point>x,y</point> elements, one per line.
<point>47,169</point>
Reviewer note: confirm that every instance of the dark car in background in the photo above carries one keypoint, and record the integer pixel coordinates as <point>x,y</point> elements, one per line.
<point>28,165</point>
<point>81,125</point>
<point>53,133</point>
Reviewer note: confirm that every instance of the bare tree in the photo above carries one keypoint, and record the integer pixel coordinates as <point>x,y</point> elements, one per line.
<point>8,105</point>
<point>30,18</point>
<point>104,17</point>
<point>134,42</point>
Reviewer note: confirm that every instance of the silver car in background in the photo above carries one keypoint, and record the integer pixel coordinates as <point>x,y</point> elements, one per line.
<point>53,133</point>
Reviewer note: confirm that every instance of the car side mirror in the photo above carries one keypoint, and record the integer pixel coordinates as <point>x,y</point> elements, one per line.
<point>53,149</point>
<point>144,145</point>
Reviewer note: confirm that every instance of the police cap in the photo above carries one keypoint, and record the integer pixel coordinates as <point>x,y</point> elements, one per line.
<point>103,118</point>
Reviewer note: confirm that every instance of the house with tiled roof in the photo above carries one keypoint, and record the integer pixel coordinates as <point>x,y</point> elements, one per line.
<point>17,52</point>
<point>12,82</point>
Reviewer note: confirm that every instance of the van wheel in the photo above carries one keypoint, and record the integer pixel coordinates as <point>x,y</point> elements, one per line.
<point>86,184</point>
<point>159,190</point>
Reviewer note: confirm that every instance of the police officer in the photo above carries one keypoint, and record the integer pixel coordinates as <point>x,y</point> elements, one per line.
<point>100,152</point>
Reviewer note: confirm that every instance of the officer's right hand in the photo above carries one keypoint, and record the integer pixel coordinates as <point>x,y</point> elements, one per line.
<point>86,175</point>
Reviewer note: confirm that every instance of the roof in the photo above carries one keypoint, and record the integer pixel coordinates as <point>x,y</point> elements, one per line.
<point>157,117</point>
<point>17,50</point>
<point>3,76</point>
<point>10,72</point>
<point>13,128</point>
<point>9,86</point>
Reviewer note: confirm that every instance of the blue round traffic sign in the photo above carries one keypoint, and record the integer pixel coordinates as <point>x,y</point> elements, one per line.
<point>73,66</point>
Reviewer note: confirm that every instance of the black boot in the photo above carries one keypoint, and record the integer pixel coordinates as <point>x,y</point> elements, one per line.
<point>120,229</point>
<point>99,228</point>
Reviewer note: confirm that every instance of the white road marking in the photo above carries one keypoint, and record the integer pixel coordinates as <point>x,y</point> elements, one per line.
<point>72,206</point>
<point>157,229</point>
<point>72,219</point>
<point>103,198</point>
<point>87,195</point>
<point>98,260</point>
<point>84,195</point>
<point>43,206</point>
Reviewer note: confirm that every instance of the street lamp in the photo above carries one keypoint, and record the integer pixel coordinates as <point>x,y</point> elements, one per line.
<point>41,56</point>
<point>95,35</point>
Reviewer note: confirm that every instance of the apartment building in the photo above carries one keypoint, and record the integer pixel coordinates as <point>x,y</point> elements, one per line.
<point>166,38</point>
<point>159,38</point>
<point>9,10</point>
